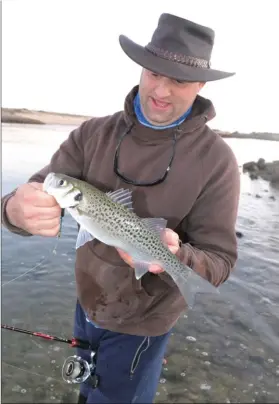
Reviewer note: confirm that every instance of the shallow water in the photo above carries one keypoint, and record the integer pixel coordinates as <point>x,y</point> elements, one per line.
<point>225,350</point>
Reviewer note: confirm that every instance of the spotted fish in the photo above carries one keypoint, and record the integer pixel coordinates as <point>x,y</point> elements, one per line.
<point>110,218</point>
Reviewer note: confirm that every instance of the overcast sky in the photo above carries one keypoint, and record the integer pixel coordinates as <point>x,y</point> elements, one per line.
<point>63,55</point>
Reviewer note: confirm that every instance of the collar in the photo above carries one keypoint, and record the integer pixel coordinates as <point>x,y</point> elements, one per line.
<point>141,118</point>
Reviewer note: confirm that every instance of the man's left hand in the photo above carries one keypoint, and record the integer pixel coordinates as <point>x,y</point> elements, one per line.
<point>170,238</point>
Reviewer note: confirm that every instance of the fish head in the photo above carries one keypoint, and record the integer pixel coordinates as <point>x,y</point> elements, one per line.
<point>64,189</point>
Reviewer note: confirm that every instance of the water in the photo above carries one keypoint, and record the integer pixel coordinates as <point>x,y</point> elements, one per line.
<point>225,350</point>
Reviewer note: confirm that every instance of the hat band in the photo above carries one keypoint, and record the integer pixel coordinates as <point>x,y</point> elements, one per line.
<point>178,57</point>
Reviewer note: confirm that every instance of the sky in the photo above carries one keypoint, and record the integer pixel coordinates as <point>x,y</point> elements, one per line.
<point>64,56</point>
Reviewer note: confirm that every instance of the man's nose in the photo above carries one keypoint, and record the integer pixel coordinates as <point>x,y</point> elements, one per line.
<point>162,90</point>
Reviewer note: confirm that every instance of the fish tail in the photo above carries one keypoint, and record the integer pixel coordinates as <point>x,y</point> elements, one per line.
<point>190,284</point>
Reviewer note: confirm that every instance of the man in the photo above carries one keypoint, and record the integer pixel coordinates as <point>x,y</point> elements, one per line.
<point>161,148</point>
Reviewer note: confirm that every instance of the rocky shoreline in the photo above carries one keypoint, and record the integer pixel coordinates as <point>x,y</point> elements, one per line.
<point>26,116</point>
<point>261,169</point>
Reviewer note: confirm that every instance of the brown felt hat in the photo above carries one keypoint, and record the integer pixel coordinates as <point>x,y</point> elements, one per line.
<point>179,49</point>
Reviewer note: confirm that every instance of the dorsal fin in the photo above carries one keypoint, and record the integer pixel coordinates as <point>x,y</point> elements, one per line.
<point>122,196</point>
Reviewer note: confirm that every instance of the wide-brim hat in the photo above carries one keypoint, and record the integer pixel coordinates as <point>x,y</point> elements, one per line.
<point>179,49</point>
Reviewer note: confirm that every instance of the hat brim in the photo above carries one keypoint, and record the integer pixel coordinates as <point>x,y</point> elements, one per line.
<point>164,67</point>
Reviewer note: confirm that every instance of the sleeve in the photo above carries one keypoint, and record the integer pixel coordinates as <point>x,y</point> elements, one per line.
<point>68,159</point>
<point>211,248</point>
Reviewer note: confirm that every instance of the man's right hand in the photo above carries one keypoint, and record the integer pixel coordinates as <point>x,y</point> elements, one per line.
<point>34,211</point>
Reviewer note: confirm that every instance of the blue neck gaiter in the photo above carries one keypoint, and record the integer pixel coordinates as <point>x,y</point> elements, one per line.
<point>144,121</point>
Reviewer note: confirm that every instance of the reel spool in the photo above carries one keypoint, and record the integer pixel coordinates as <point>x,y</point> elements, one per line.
<point>75,370</point>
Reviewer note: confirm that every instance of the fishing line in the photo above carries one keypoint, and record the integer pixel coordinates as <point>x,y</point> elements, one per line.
<point>54,251</point>
<point>74,369</point>
<point>33,373</point>
<point>31,269</point>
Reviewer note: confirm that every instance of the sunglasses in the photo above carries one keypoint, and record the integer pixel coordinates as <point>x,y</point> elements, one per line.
<point>142,183</point>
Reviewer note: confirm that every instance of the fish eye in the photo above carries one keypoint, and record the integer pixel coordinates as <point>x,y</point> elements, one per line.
<point>78,197</point>
<point>61,182</point>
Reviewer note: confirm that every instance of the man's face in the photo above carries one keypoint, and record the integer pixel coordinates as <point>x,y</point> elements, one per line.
<point>164,100</point>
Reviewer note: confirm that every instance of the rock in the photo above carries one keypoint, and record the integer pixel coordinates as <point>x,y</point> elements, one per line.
<point>251,166</point>
<point>256,358</point>
<point>261,164</point>
<point>272,198</point>
<point>267,171</point>
<point>253,176</point>
<point>275,173</point>
<point>258,196</point>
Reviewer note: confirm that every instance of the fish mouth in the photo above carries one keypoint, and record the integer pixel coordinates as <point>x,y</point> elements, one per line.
<point>66,195</point>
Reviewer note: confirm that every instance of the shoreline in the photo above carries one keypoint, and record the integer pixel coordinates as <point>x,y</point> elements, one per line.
<point>26,116</point>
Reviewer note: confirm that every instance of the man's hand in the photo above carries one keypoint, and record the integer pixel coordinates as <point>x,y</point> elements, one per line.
<point>172,240</point>
<point>34,211</point>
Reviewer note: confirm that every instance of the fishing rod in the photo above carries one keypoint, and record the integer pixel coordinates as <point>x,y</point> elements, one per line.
<point>74,342</point>
<point>75,369</point>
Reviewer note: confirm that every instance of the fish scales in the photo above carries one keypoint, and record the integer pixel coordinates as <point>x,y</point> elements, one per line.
<point>124,224</point>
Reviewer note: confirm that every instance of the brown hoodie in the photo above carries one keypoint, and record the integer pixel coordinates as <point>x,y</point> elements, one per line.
<point>199,199</point>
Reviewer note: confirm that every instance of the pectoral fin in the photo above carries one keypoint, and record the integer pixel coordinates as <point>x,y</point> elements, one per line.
<point>83,237</point>
<point>140,267</point>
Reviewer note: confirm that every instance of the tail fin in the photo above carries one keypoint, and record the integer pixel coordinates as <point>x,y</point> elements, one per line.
<point>191,283</point>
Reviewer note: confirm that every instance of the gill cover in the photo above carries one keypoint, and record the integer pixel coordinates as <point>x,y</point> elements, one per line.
<point>66,195</point>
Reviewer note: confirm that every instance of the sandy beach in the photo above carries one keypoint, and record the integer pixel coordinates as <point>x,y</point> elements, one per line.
<point>26,116</point>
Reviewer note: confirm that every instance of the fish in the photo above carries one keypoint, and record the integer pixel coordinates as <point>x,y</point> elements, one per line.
<point>110,218</point>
